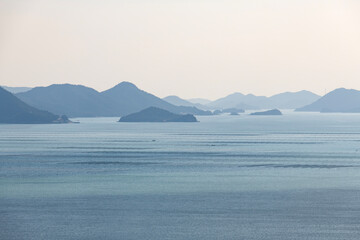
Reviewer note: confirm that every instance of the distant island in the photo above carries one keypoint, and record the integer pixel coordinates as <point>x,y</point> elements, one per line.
<point>154,114</point>
<point>232,111</point>
<point>273,112</point>
<point>15,111</point>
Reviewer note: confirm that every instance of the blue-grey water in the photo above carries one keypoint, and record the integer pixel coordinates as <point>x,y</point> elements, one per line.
<point>295,176</point>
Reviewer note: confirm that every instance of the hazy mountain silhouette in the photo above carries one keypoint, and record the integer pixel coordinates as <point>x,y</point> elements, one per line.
<point>71,100</point>
<point>154,114</point>
<point>15,90</point>
<point>177,101</point>
<point>81,101</point>
<point>236,100</point>
<point>339,100</point>
<point>292,100</point>
<point>13,110</point>
<point>129,99</point>
<point>287,100</point>
<point>201,101</point>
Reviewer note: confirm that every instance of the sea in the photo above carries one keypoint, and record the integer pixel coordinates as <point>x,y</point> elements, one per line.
<point>295,176</point>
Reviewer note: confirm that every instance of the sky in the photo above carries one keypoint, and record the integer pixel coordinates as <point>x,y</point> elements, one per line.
<point>195,48</point>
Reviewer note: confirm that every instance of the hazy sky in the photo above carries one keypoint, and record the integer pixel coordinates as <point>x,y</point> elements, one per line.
<point>194,48</point>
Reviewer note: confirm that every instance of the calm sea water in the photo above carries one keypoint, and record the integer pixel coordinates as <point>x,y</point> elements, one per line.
<point>295,176</point>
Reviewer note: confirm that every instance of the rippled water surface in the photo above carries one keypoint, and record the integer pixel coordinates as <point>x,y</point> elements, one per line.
<point>295,176</point>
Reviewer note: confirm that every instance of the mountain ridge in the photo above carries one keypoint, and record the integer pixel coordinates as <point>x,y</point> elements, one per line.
<point>81,101</point>
<point>13,110</point>
<point>285,100</point>
<point>339,100</point>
